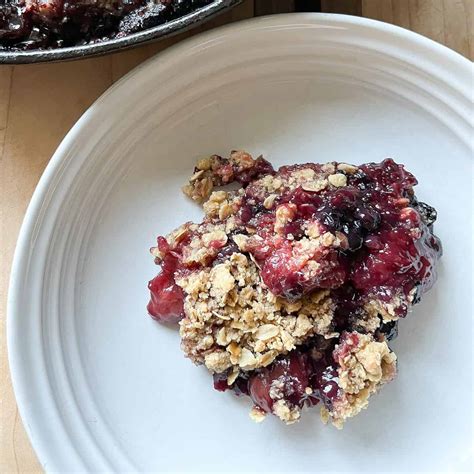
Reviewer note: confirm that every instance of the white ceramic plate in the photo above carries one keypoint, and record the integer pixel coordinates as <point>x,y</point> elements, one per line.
<point>101,386</point>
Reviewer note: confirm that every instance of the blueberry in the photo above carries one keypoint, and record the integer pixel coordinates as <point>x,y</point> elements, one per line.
<point>368,217</point>
<point>428,214</point>
<point>354,235</point>
<point>331,220</point>
<point>389,330</point>
<point>417,296</point>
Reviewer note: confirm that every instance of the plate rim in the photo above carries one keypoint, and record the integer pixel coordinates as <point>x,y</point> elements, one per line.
<point>18,371</point>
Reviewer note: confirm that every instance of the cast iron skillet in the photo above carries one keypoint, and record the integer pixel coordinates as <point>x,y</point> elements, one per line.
<point>151,34</point>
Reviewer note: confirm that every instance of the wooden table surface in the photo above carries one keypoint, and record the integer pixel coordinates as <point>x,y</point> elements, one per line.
<point>40,103</point>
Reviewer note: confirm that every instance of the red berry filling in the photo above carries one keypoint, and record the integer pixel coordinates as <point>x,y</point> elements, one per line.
<point>388,246</point>
<point>166,302</point>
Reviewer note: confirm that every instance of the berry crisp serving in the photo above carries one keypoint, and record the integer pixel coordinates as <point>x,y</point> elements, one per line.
<point>291,288</point>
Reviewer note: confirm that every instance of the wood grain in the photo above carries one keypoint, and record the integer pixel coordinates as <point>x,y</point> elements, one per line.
<point>348,7</point>
<point>39,103</point>
<point>267,7</point>
<point>449,22</point>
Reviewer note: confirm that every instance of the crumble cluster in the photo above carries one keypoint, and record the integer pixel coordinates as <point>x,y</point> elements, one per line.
<point>364,366</point>
<point>217,171</point>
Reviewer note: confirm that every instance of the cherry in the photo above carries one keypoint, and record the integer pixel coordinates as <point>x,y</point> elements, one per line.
<point>220,382</point>
<point>289,376</point>
<point>166,303</point>
<point>324,381</point>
